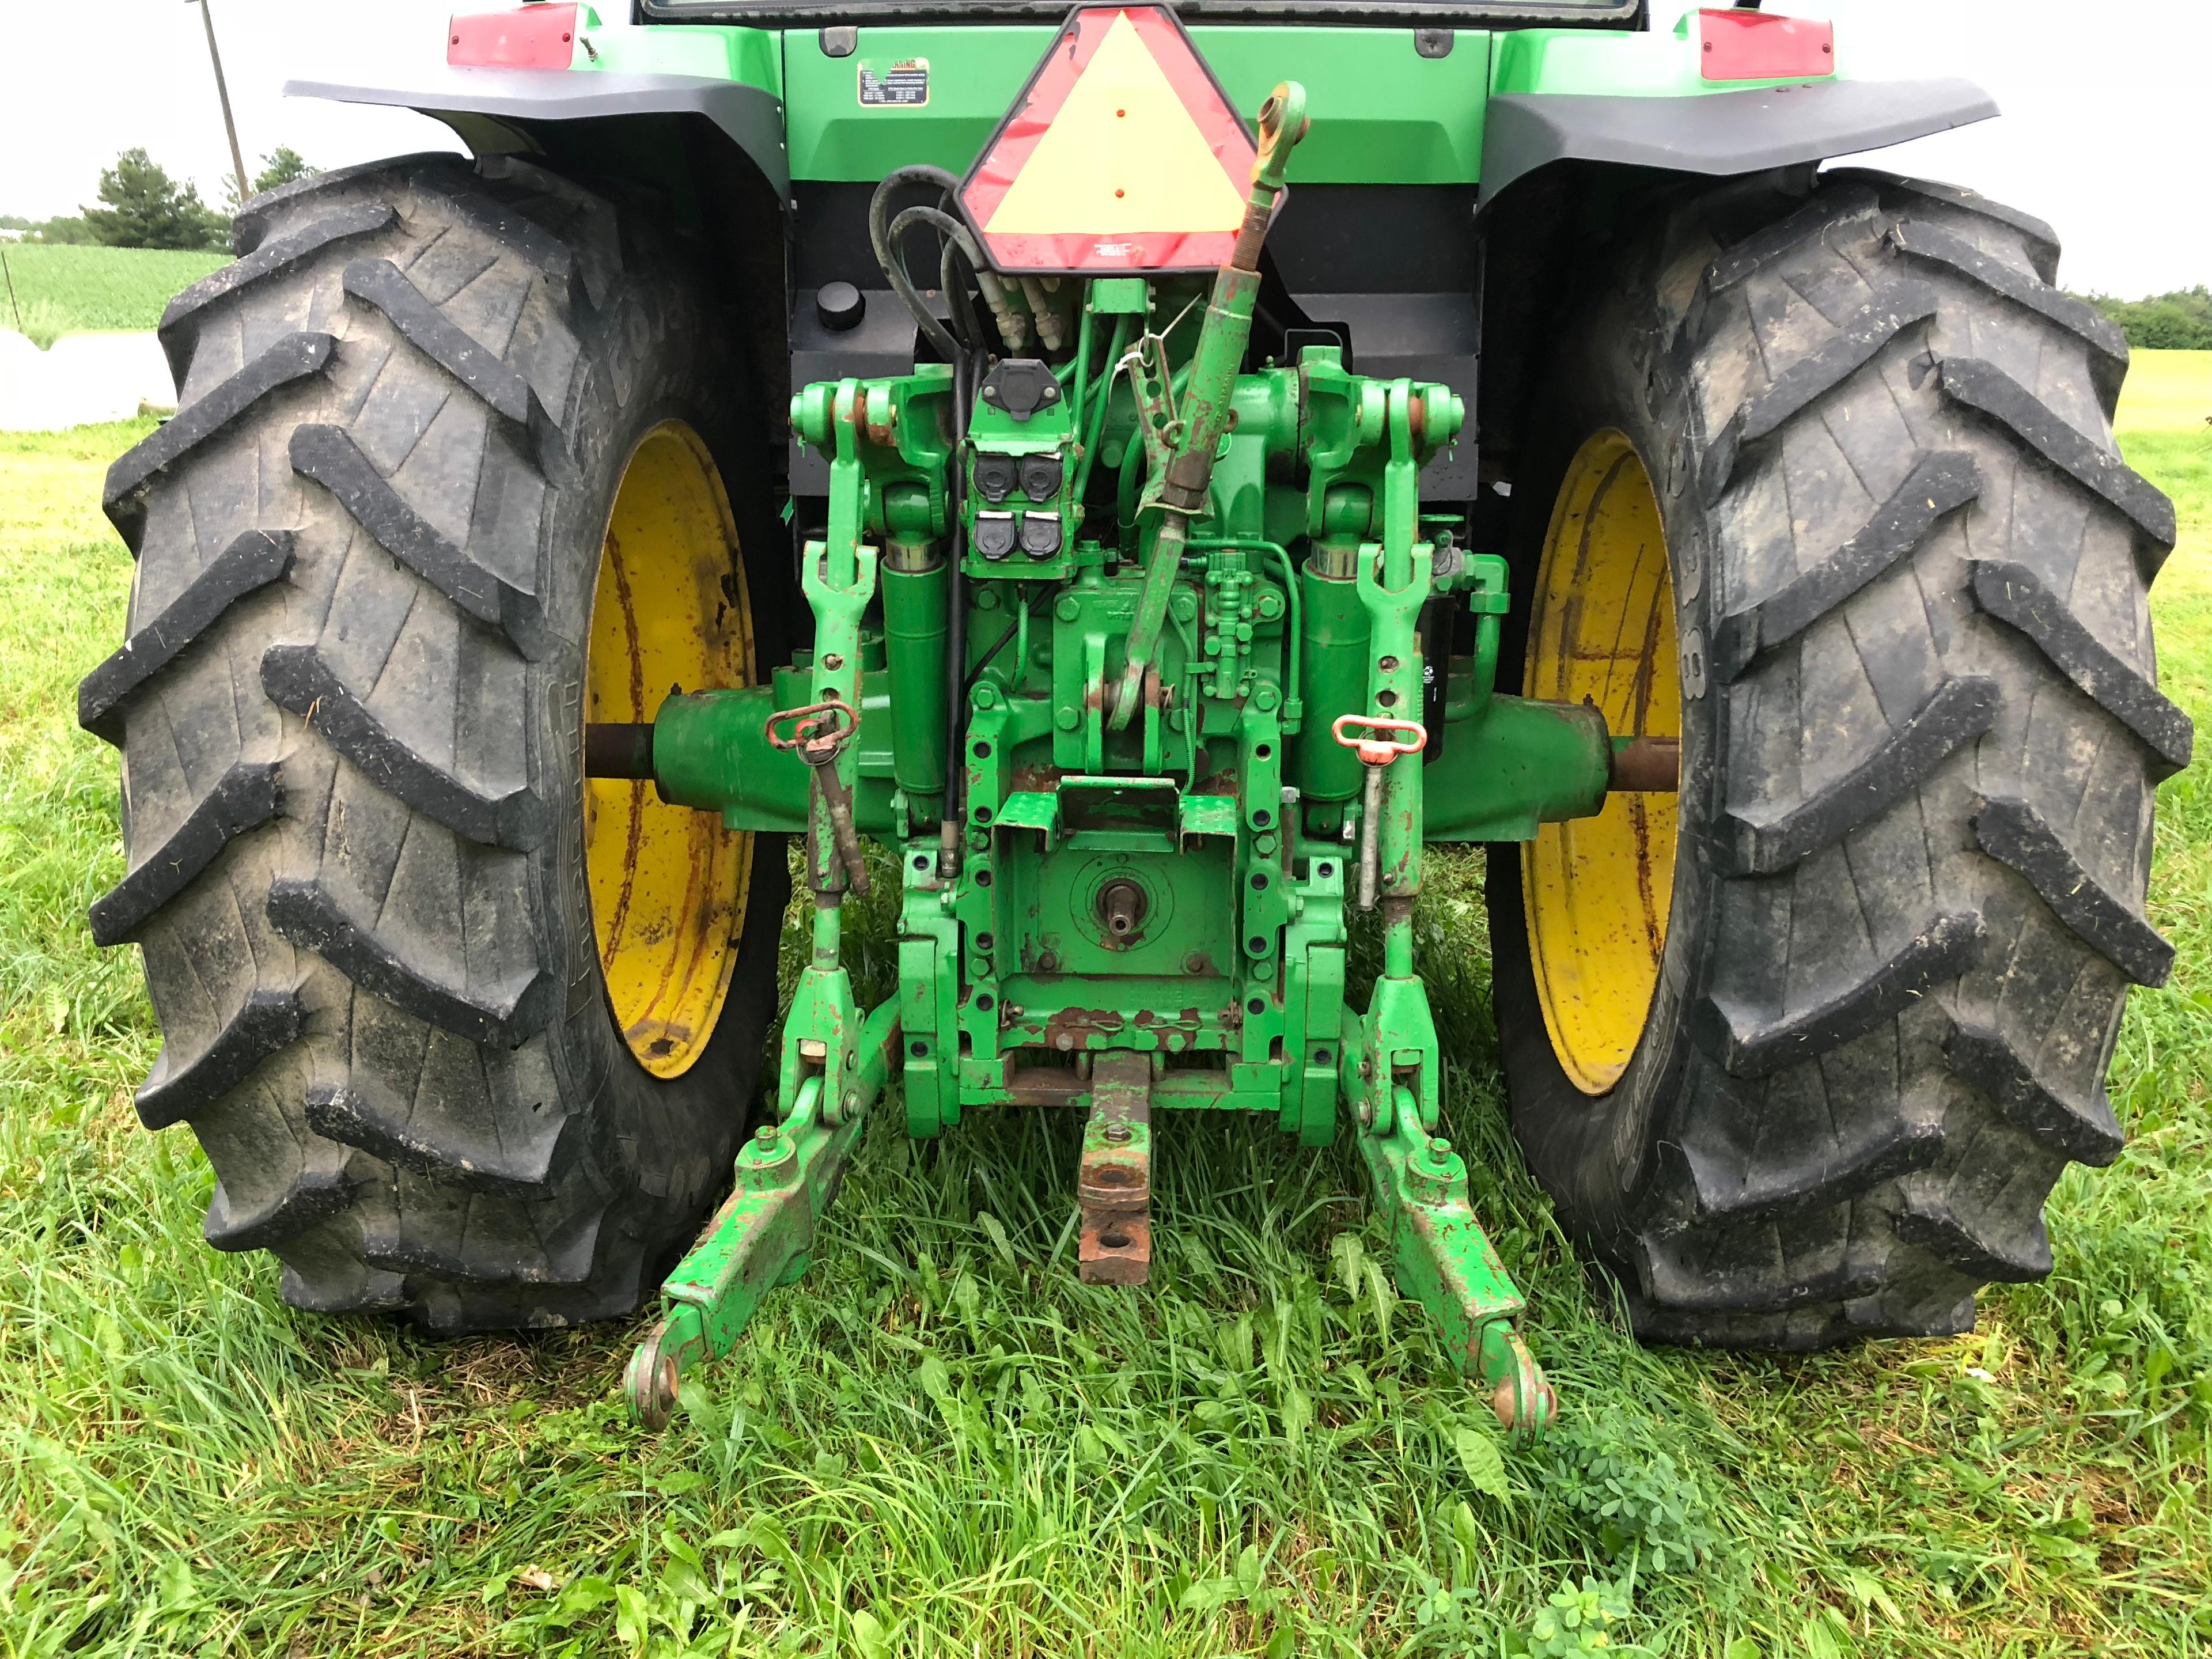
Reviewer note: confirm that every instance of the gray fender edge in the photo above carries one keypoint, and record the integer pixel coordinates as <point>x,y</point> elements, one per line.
<point>1718,133</point>
<point>752,118</point>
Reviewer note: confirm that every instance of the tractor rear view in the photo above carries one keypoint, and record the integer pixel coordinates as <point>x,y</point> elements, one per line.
<point>1150,483</point>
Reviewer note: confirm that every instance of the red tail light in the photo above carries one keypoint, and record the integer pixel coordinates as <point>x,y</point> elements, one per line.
<point>530,37</point>
<point>1758,45</point>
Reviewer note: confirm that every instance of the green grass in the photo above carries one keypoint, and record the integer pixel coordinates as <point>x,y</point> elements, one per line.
<point>93,290</point>
<point>2167,391</point>
<point>944,1444</point>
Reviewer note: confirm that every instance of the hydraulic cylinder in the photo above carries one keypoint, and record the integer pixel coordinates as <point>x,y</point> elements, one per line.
<point>1333,635</point>
<point>915,621</point>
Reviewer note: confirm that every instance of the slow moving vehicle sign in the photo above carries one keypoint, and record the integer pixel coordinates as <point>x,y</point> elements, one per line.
<point>1122,154</point>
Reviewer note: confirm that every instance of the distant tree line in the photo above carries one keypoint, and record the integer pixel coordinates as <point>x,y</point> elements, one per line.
<point>2181,321</point>
<point>142,206</point>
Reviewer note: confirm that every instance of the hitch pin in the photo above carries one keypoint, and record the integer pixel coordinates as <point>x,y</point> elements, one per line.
<point>1375,753</point>
<point>818,731</point>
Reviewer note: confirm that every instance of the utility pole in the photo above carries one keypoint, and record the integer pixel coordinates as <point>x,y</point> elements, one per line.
<point>221,91</point>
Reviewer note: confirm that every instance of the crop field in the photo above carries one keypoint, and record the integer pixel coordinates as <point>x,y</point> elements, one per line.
<point>942,1444</point>
<point>93,290</point>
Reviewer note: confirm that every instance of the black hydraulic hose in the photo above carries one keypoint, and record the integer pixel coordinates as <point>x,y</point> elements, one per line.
<point>887,255</point>
<point>956,637</point>
<point>1011,324</point>
<point>952,273</point>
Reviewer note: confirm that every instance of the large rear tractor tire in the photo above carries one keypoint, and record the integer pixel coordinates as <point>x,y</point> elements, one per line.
<point>459,464</point>
<point>1828,486</point>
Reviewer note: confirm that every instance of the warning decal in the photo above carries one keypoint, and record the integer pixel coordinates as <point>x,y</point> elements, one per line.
<point>904,84</point>
<point>1122,154</point>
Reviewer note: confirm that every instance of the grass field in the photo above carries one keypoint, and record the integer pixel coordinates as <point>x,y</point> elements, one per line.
<point>2167,391</point>
<point>944,1445</point>
<point>93,290</point>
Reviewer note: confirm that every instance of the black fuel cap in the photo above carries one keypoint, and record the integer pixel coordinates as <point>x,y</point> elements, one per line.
<point>839,305</point>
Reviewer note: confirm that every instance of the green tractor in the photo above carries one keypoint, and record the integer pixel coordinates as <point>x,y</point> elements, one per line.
<point>947,428</point>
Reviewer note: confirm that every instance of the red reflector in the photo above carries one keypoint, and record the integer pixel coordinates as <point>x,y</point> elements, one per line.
<point>533,37</point>
<point>1758,45</point>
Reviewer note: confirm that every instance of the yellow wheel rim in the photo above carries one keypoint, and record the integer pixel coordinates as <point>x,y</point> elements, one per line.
<point>1596,891</point>
<point>668,884</point>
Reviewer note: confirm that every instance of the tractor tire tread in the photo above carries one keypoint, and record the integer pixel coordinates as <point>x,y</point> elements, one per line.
<point>314,919</point>
<point>297,679</point>
<point>249,564</point>
<point>178,329</point>
<point>1956,713</point>
<point>2012,593</point>
<point>245,797</point>
<point>267,1023</point>
<point>295,357</point>
<point>1941,483</point>
<point>2016,834</point>
<point>350,1117</point>
<point>329,455</point>
<point>1989,391</point>
<point>1803,382</point>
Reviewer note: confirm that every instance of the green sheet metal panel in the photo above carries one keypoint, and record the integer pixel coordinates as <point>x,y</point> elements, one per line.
<point>1381,112</point>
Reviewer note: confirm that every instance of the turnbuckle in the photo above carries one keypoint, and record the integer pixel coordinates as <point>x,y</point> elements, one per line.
<point>818,731</point>
<point>1376,754</point>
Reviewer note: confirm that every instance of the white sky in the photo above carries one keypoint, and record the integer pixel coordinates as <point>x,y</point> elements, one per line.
<point>2103,133</point>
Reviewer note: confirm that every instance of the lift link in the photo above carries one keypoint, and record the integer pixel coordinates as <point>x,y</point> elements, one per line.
<point>1376,754</point>
<point>787,1176</point>
<point>1440,1256</point>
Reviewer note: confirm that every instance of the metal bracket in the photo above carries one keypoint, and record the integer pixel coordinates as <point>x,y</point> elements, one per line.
<point>1114,1182</point>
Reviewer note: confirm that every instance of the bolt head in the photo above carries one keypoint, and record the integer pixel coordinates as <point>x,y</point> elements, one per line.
<point>1118,1134</point>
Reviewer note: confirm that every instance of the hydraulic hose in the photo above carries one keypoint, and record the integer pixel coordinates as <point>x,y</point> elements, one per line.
<point>956,641</point>
<point>1013,328</point>
<point>880,239</point>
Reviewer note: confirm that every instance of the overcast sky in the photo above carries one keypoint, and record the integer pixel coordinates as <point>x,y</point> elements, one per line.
<point>2103,132</point>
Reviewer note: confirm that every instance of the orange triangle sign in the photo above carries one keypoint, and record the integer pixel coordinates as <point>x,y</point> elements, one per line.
<point>1122,153</point>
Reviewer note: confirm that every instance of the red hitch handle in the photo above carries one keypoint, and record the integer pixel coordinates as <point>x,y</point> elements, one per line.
<point>815,727</point>
<point>1380,750</point>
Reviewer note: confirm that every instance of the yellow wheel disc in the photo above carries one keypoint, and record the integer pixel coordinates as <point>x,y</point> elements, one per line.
<point>1596,891</point>
<point>668,884</point>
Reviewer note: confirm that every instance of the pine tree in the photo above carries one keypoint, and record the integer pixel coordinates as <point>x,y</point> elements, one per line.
<point>146,208</point>
<point>280,166</point>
